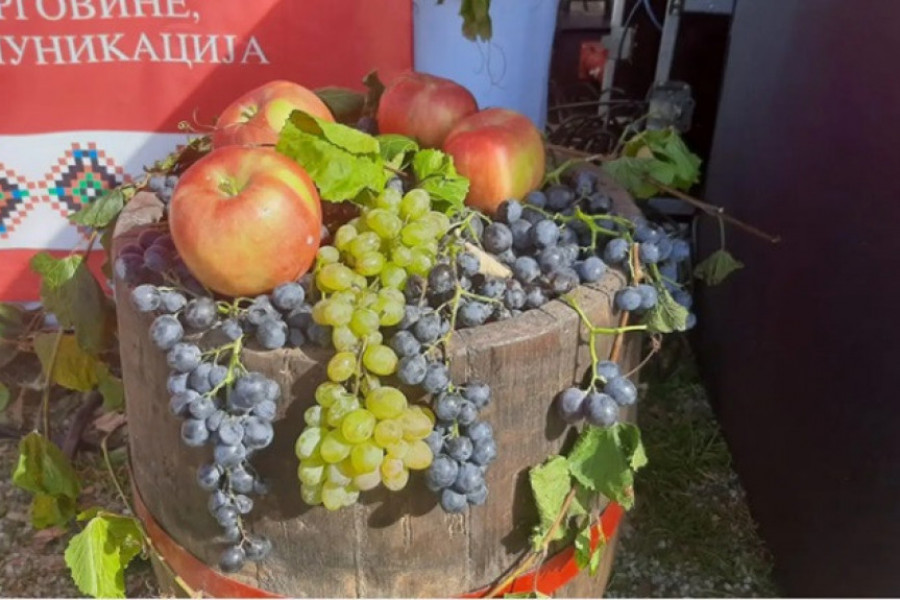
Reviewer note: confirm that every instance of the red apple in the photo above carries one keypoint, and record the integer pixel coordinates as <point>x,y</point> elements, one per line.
<point>258,116</point>
<point>245,220</point>
<point>423,107</point>
<point>502,154</point>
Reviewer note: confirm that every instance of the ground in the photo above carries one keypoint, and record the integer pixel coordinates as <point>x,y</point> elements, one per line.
<point>690,533</point>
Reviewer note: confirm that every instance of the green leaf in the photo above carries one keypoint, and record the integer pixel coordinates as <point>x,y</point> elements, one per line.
<point>437,175</point>
<point>97,556</point>
<point>630,173</point>
<point>43,468</point>
<point>584,556</point>
<point>667,316</point>
<point>345,104</point>
<point>102,211</point>
<point>717,267</point>
<point>394,146</point>
<point>69,290</point>
<point>51,511</point>
<point>550,484</point>
<point>342,161</point>
<point>111,389</point>
<point>605,459</point>
<point>476,19</point>
<point>668,158</point>
<point>73,368</point>
<point>4,396</point>
<point>11,320</point>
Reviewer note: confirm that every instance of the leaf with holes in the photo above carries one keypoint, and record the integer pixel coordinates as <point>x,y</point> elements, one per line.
<point>73,368</point>
<point>51,511</point>
<point>605,459</point>
<point>667,315</point>
<point>716,267</point>
<point>42,468</point>
<point>97,556</point>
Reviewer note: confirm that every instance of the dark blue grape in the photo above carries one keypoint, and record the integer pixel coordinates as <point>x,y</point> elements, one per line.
<point>459,448</point>
<point>296,337</point>
<point>177,382</point>
<point>683,298</point>
<point>243,504</point>
<point>198,379</point>
<point>509,211</point>
<point>616,251</point>
<point>622,390</point>
<point>252,387</point>
<point>567,235</point>
<point>232,559</point>
<point>468,413</point>
<point>209,476</point>
<point>272,333</point>
<point>411,314</point>
<point>521,232</point>
<point>467,263</point>
<point>664,245</point>
<point>473,313</point>
<point>681,251</point>
<point>628,298</point>
<point>288,296</point>
<point>227,515</point>
<point>200,314</point>
<point>435,441</point>
<point>441,279</point>
<point>171,302</point>
<point>411,369</point>
<point>648,252</point>
<point>514,297</point>
<point>405,343</point>
<point>178,403</point>
<point>427,328</point>
<point>217,375</point>
<point>265,410</point>
<point>526,269</point>
<point>484,451</point>
<point>550,259</point>
<point>563,281</point>
<point>559,197</point>
<point>590,269</point>
<point>570,253</point>
<point>535,296</point>
<point>600,410</point>
<point>229,456</point>
<point>146,298</point>
<point>194,432</point>
<point>166,331</point>
<point>545,233</point>
<point>453,502</point>
<point>648,296</point>
<point>607,369</point>
<point>230,432</point>
<point>468,479</point>
<point>583,181</point>
<point>446,407</point>
<point>496,238</point>
<point>257,547</point>
<point>232,329</point>
<point>214,420</point>
<point>319,334</point>
<point>183,358</point>
<point>570,405</point>
<point>644,232</point>
<point>241,481</point>
<point>480,431</point>
<point>129,268</point>
<point>158,259</point>
<point>536,198</point>
<point>478,393</point>
<point>258,433</point>
<point>202,408</point>
<point>217,500</point>
<point>598,203</point>
<point>299,318</point>
<point>442,472</point>
<point>437,378</point>
<point>478,496</point>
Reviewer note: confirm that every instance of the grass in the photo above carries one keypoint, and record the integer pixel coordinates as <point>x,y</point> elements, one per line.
<point>691,533</point>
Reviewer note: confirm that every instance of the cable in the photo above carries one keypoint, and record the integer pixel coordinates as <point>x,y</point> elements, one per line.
<point>651,14</point>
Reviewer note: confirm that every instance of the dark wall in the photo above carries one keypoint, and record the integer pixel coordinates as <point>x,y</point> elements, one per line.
<point>802,348</point>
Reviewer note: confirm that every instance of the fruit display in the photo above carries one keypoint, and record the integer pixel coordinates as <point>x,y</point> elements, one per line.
<point>244,261</point>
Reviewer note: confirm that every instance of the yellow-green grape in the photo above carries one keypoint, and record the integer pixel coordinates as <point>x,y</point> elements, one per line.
<point>401,255</point>
<point>364,320</point>
<point>333,495</point>
<point>369,383</point>
<point>419,456</point>
<point>364,243</point>
<point>318,311</point>
<point>386,402</point>
<point>313,416</point>
<point>311,471</point>
<point>336,313</point>
<point>389,199</point>
<point>398,449</point>
<point>417,233</point>
<point>415,204</point>
<point>327,255</point>
<point>334,277</point>
<point>341,366</point>
<point>393,276</point>
<point>383,222</point>
<point>370,264</point>
<point>416,425</point>
<point>380,359</point>
<point>343,339</point>
<point>311,494</point>
<point>342,407</point>
<point>366,299</point>
<point>347,296</point>
<point>374,338</point>
<point>340,473</point>
<point>389,308</point>
<point>431,247</point>
<point>334,448</point>
<point>359,281</point>
<point>327,393</point>
<point>387,432</point>
<point>393,474</point>
<point>366,457</point>
<point>308,442</point>
<point>393,295</point>
<point>367,481</point>
<point>425,411</point>
<point>421,264</point>
<point>344,235</point>
<point>438,221</point>
<point>358,425</point>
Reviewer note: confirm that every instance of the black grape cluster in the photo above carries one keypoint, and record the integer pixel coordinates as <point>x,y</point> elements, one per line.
<point>153,259</point>
<point>599,404</point>
<point>463,445</point>
<point>163,185</point>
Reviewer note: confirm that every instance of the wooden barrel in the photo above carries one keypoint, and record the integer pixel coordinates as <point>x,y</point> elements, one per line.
<point>391,543</point>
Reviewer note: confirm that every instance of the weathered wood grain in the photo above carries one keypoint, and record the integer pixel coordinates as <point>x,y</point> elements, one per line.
<point>392,544</point>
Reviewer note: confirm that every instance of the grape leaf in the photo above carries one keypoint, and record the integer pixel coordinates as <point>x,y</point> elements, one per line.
<point>345,104</point>
<point>11,320</point>
<point>102,211</point>
<point>436,174</point>
<point>110,388</point>
<point>73,368</point>
<point>605,459</point>
<point>342,162</point>
<point>69,291</point>
<point>550,484</point>
<point>631,173</point>
<point>476,19</point>
<point>4,396</point>
<point>43,468</point>
<point>394,148</point>
<point>97,556</point>
<point>584,555</point>
<point>716,267</point>
<point>51,511</point>
<point>669,159</point>
<point>667,316</point>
